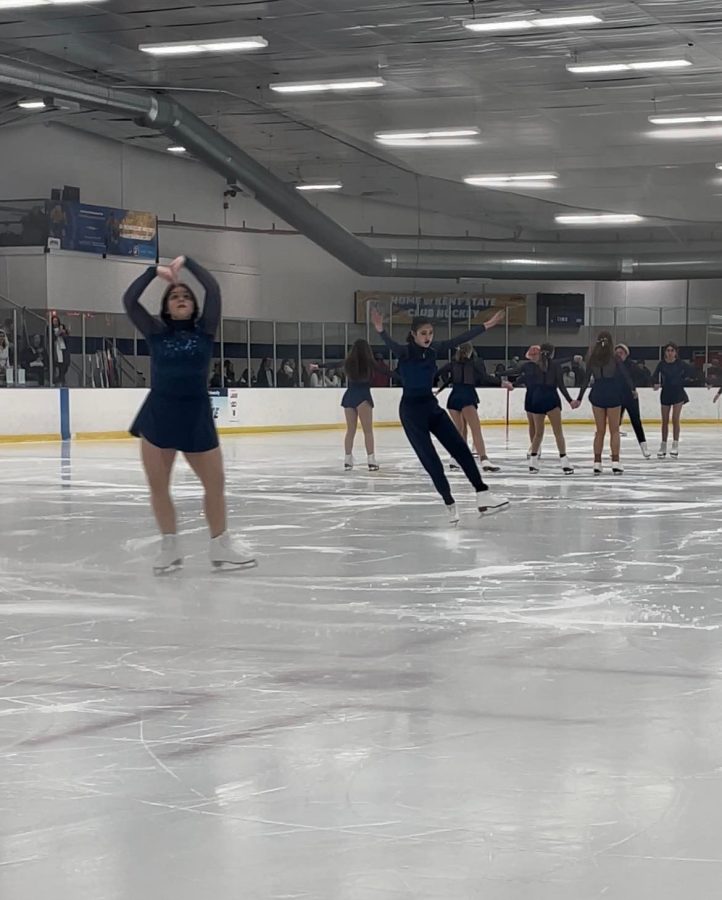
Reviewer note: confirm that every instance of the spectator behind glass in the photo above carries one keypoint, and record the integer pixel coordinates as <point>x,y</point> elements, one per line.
<point>229,374</point>
<point>61,354</point>
<point>381,376</point>
<point>578,370</point>
<point>286,375</point>
<point>216,378</point>
<point>4,355</point>
<point>35,361</point>
<point>646,373</point>
<point>264,378</point>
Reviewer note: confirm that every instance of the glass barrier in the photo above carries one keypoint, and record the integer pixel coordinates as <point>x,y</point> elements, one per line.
<point>104,350</point>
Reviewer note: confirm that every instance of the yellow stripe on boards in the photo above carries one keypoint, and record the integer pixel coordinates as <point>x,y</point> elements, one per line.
<point>28,438</point>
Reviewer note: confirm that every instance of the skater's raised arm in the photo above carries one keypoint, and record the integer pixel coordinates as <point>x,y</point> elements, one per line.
<point>378,322</point>
<point>139,315</point>
<point>468,336</point>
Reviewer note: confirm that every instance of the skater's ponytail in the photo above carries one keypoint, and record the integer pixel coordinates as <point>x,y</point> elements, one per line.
<point>601,353</point>
<point>465,352</point>
<point>545,356</point>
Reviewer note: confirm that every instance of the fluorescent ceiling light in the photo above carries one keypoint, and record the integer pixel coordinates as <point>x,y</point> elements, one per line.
<point>685,120</point>
<point>532,179</point>
<point>497,25</point>
<point>718,165</point>
<point>191,48</point>
<point>177,149</point>
<point>599,219</point>
<point>687,133</point>
<point>595,68</point>
<point>31,104</point>
<point>321,87</point>
<point>390,136</point>
<point>25,4</point>
<point>429,142</point>
<point>329,186</point>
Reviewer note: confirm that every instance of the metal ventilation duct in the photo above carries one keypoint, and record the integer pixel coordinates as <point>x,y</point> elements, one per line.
<point>164,114</point>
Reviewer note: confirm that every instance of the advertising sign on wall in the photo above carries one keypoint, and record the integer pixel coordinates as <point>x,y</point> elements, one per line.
<point>103,230</point>
<point>438,306</point>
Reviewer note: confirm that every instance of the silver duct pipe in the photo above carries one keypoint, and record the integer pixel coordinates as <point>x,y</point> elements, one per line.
<point>164,114</point>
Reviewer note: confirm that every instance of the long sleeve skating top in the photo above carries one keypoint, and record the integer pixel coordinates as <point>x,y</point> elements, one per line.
<point>673,375</point>
<point>180,351</point>
<point>471,372</point>
<point>613,370</point>
<point>532,375</point>
<point>418,365</point>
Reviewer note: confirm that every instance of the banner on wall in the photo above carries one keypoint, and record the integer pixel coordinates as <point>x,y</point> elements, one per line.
<point>103,229</point>
<point>404,306</point>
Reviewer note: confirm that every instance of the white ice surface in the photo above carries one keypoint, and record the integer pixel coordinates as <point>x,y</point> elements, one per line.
<point>527,707</point>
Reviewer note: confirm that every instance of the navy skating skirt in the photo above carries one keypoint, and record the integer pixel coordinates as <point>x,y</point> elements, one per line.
<point>673,394</point>
<point>541,399</point>
<point>462,395</point>
<point>607,393</point>
<point>356,395</point>
<point>177,423</point>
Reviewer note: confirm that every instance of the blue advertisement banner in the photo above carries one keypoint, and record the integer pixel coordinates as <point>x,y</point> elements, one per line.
<point>103,229</point>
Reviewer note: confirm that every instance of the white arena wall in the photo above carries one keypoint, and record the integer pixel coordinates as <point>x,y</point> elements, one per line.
<point>46,414</point>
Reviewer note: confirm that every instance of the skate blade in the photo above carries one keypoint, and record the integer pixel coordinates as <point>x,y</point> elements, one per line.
<point>160,571</point>
<point>491,469</point>
<point>233,567</point>
<point>617,471</point>
<point>374,468</point>
<point>491,510</point>
<point>674,455</point>
<point>568,471</point>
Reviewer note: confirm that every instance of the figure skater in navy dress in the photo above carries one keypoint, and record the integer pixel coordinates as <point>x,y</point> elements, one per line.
<point>610,385</point>
<point>464,374</point>
<point>357,402</point>
<point>544,382</point>
<point>671,375</point>
<point>176,415</point>
<point>421,415</point>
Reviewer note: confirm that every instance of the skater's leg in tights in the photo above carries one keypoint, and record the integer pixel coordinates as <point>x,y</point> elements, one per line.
<point>458,420</point>
<point>532,428</point>
<point>158,465</point>
<point>208,467</point>
<point>445,431</point>
<point>665,423</point>
<point>471,418</point>
<point>539,424</point>
<point>416,425</point>
<point>351,425</point>
<point>600,420</point>
<point>613,417</point>
<point>555,418</point>
<point>636,419</point>
<point>366,417</point>
<point>676,417</point>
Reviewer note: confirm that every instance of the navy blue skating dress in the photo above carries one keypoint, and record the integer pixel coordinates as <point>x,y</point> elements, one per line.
<point>611,385</point>
<point>543,387</point>
<point>177,413</point>
<point>356,393</point>
<point>673,377</point>
<point>463,377</point>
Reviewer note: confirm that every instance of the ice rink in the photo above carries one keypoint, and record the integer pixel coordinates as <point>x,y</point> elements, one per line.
<point>526,707</point>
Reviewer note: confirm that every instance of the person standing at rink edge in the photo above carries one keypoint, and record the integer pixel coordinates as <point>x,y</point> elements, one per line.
<point>176,415</point>
<point>421,415</point>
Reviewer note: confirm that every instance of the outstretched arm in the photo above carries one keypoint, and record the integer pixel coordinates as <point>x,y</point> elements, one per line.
<point>585,385</point>
<point>138,315</point>
<point>444,346</point>
<point>211,316</point>
<point>443,377</point>
<point>378,323</point>
<point>560,384</point>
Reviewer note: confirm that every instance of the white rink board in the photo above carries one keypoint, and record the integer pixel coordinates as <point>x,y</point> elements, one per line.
<point>36,412</point>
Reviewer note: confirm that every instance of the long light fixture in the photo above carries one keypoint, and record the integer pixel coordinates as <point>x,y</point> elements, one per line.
<point>530,179</point>
<point>688,133</point>
<point>718,165</point>
<point>500,25</point>
<point>321,186</point>
<point>25,4</point>
<point>177,149</point>
<point>599,219</point>
<point>322,87</point>
<point>686,119</point>
<point>439,137</point>
<point>645,65</point>
<point>194,48</point>
<point>31,104</point>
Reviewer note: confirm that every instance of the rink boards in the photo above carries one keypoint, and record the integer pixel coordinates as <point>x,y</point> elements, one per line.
<point>51,414</point>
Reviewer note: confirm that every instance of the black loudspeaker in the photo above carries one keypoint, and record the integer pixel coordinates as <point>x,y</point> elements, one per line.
<point>71,194</point>
<point>55,195</point>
